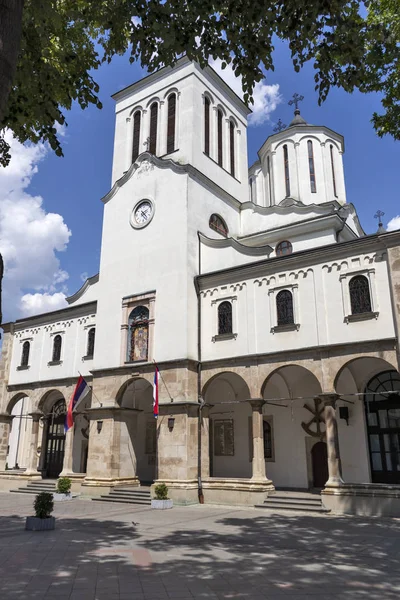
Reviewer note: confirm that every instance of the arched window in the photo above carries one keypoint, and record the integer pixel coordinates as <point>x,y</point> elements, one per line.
<point>311,166</point>
<point>153,128</point>
<point>253,191</point>
<point>360,298</point>
<point>333,172</point>
<point>219,138</point>
<point>136,135</point>
<point>218,224</point>
<point>267,440</point>
<point>25,354</point>
<point>232,146</point>
<point>90,342</point>
<point>171,123</point>
<point>207,126</point>
<point>138,337</point>
<point>286,163</point>
<point>224,318</point>
<point>269,180</point>
<point>283,248</point>
<point>284,308</point>
<point>57,348</point>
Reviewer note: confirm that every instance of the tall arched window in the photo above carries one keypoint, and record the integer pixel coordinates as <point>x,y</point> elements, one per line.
<point>57,348</point>
<point>311,166</point>
<point>90,342</point>
<point>153,128</point>
<point>283,248</point>
<point>218,224</point>
<point>286,164</point>
<point>225,318</point>
<point>269,180</point>
<point>267,440</point>
<point>219,137</point>
<point>171,123</point>
<point>360,298</point>
<point>284,308</point>
<point>138,338</point>
<point>253,191</point>
<point>137,117</point>
<point>207,126</point>
<point>232,146</point>
<point>333,172</point>
<point>25,354</point>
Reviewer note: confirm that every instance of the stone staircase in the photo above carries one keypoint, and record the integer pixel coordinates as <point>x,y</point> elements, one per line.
<point>127,495</point>
<point>294,501</point>
<point>35,487</point>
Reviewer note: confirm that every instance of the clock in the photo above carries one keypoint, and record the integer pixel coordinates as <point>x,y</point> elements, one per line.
<point>142,214</point>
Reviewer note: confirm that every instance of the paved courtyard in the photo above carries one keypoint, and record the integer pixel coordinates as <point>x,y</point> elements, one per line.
<point>116,552</point>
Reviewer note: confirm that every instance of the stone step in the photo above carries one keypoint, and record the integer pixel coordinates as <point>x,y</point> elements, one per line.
<point>296,502</point>
<point>129,496</point>
<point>293,500</point>
<point>129,493</point>
<point>293,507</point>
<point>122,500</point>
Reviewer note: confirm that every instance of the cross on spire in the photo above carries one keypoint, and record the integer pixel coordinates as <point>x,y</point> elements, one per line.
<point>379,214</point>
<point>279,126</point>
<point>296,100</point>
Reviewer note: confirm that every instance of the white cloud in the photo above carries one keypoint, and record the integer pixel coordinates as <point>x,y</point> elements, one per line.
<point>83,276</point>
<point>266,97</point>
<point>29,238</point>
<point>393,224</point>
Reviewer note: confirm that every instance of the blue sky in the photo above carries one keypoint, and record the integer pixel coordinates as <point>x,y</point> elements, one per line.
<point>72,186</point>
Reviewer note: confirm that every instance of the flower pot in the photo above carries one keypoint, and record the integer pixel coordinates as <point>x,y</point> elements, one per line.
<point>61,497</point>
<point>162,504</point>
<point>36,524</point>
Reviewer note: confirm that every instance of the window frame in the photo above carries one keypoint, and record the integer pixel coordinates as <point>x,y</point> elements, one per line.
<point>220,137</point>
<point>222,231</point>
<point>215,305</point>
<point>90,354</point>
<point>286,170</point>
<point>171,123</point>
<point>365,282</point>
<point>311,166</point>
<point>136,133</point>
<point>207,125</point>
<point>56,358</point>
<point>22,363</point>
<point>153,129</point>
<point>344,279</point>
<point>272,293</point>
<point>333,171</point>
<point>129,303</point>
<point>280,244</point>
<point>232,152</point>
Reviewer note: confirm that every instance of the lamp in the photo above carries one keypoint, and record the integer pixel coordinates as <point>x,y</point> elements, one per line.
<point>171,423</point>
<point>99,426</point>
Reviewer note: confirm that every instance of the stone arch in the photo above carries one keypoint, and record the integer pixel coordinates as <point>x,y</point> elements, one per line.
<point>356,373</point>
<point>234,386</point>
<point>120,389</point>
<point>131,393</point>
<point>291,381</point>
<point>14,400</point>
<point>48,400</point>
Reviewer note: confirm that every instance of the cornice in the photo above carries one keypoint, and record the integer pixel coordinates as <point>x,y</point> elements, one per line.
<point>68,312</point>
<point>299,259</point>
<point>290,205</point>
<point>232,243</point>
<point>46,383</point>
<point>293,130</point>
<point>145,367</point>
<point>89,281</point>
<point>181,169</point>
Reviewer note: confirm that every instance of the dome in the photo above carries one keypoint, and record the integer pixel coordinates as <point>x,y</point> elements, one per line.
<point>298,119</point>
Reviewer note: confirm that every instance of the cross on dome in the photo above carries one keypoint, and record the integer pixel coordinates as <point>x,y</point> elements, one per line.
<point>279,126</point>
<point>296,99</point>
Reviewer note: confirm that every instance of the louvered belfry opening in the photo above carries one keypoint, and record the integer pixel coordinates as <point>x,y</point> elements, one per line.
<point>207,126</point>
<point>136,135</point>
<point>220,152</point>
<point>171,123</point>
<point>153,128</point>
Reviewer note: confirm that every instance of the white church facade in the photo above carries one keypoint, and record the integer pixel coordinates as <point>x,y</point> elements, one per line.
<point>273,319</point>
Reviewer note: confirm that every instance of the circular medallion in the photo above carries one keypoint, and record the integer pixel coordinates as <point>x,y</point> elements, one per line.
<point>142,214</point>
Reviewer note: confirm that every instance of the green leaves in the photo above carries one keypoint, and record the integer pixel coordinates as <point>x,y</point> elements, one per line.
<point>352,44</point>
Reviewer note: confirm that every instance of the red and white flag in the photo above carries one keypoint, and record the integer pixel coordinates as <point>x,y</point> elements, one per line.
<point>155,392</point>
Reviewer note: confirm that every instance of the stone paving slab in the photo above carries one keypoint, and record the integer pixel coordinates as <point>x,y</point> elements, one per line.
<point>103,552</point>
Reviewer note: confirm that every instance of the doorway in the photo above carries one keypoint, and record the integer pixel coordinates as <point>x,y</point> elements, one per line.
<point>319,461</point>
<point>55,440</point>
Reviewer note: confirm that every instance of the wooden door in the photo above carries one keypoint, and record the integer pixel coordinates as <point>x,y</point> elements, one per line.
<point>319,459</point>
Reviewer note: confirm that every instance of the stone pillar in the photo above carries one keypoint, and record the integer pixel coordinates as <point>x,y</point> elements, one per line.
<point>33,458</point>
<point>5,426</point>
<point>258,461</point>
<point>205,441</point>
<point>332,440</point>
<point>68,451</point>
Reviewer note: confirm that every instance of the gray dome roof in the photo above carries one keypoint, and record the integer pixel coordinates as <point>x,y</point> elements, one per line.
<point>298,119</point>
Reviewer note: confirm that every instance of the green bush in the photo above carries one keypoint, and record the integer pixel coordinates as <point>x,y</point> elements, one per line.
<point>64,485</point>
<point>161,491</point>
<point>43,505</point>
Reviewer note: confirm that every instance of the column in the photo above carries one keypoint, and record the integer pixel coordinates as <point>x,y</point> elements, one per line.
<point>33,459</point>
<point>258,462</point>
<point>68,450</point>
<point>205,441</point>
<point>5,427</point>
<point>332,440</point>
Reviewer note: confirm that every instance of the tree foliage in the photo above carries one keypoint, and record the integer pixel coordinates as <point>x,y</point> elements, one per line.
<point>352,44</point>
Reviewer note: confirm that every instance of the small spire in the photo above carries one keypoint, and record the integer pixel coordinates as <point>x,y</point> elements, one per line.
<point>279,126</point>
<point>379,214</point>
<point>298,119</point>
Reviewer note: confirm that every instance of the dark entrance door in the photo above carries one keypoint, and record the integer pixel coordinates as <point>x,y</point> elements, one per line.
<point>319,459</point>
<point>55,440</point>
<point>382,406</point>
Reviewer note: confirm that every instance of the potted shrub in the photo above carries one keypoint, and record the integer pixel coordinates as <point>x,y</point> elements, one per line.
<point>63,489</point>
<point>42,521</point>
<point>161,501</point>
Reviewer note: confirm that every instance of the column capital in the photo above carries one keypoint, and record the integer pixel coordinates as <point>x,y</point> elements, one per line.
<point>329,398</point>
<point>36,415</point>
<point>257,403</point>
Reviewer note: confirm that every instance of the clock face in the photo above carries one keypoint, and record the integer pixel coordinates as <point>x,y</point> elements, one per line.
<point>142,214</point>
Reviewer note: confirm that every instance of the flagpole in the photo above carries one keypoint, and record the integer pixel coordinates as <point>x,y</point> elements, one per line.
<point>162,379</point>
<point>91,388</point>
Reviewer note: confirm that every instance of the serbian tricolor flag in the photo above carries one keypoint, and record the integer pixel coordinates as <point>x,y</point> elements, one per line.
<point>81,390</point>
<point>155,392</point>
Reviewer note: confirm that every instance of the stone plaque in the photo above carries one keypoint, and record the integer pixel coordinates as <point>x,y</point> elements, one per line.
<point>224,438</point>
<point>151,432</point>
